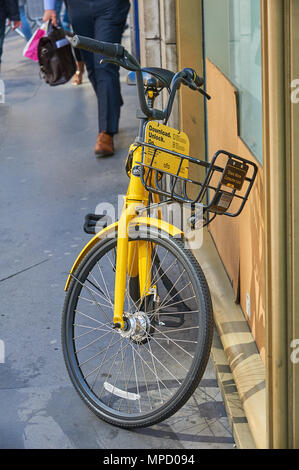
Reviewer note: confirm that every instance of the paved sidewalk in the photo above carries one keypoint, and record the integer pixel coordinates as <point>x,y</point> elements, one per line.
<point>49,180</point>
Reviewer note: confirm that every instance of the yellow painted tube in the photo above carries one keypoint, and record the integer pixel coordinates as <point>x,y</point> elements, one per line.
<point>156,200</point>
<point>122,263</point>
<point>133,259</point>
<point>161,225</point>
<point>144,267</point>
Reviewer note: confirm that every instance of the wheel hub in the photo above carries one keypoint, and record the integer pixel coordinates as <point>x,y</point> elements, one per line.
<point>137,327</point>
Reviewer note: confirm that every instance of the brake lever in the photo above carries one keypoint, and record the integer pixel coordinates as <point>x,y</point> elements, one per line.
<point>121,62</point>
<point>204,93</point>
<point>194,87</point>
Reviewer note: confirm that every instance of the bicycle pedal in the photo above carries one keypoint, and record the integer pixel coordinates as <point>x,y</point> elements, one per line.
<point>94,223</point>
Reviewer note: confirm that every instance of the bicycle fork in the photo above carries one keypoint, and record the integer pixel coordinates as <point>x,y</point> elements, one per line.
<point>132,258</point>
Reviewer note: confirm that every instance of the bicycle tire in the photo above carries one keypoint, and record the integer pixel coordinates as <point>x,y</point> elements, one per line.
<point>202,347</point>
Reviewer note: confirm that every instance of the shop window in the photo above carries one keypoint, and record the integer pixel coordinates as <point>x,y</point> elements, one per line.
<point>233,44</point>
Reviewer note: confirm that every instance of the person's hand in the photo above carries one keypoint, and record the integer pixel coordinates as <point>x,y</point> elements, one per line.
<point>50,15</point>
<point>15,24</point>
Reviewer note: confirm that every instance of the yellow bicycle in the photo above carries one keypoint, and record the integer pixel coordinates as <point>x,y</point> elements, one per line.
<point>138,322</point>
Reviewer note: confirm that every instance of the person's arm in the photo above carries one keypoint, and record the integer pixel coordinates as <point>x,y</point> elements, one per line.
<point>50,13</point>
<point>13,13</point>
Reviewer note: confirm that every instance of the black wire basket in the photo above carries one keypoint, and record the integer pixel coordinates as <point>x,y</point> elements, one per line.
<point>221,186</point>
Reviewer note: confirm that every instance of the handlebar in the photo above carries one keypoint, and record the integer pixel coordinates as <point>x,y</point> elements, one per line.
<point>97,47</point>
<point>117,54</point>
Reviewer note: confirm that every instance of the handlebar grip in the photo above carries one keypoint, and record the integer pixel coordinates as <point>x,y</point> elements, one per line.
<point>97,47</point>
<point>199,81</point>
<point>193,80</point>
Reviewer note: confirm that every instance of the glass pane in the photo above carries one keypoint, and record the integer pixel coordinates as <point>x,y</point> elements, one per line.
<point>217,38</point>
<point>233,44</point>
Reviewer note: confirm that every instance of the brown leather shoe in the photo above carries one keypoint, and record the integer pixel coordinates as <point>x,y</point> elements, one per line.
<point>104,145</point>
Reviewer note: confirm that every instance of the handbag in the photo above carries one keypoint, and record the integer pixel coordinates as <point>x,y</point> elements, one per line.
<point>55,57</point>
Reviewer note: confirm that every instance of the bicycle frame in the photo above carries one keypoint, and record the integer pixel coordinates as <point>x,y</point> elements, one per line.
<point>136,195</point>
<point>128,262</point>
<point>125,380</point>
<point>132,258</point>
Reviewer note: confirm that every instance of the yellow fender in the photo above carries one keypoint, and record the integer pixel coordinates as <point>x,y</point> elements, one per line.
<point>147,221</point>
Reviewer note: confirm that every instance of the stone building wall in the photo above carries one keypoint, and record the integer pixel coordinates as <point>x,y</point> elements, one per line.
<point>157,20</point>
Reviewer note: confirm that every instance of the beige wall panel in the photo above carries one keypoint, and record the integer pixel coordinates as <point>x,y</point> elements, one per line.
<point>252,268</point>
<point>239,241</point>
<point>222,132</point>
<point>190,54</point>
<point>191,104</point>
<point>294,137</point>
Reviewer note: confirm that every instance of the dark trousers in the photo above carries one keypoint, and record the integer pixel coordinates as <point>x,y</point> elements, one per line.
<point>103,20</point>
<point>2,33</point>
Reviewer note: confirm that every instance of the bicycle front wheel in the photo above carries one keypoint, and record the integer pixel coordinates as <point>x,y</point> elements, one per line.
<point>142,375</point>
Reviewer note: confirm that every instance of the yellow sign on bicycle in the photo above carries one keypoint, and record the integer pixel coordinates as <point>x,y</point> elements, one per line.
<point>169,139</point>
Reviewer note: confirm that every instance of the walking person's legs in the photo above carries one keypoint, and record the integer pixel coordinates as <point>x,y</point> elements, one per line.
<point>58,8</point>
<point>65,18</point>
<point>78,77</point>
<point>26,28</point>
<point>110,20</point>
<point>2,34</point>
<point>83,24</point>
<point>103,20</point>
<point>66,23</point>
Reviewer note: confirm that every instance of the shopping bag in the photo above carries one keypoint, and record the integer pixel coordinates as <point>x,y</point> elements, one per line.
<point>30,50</point>
<point>55,56</point>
